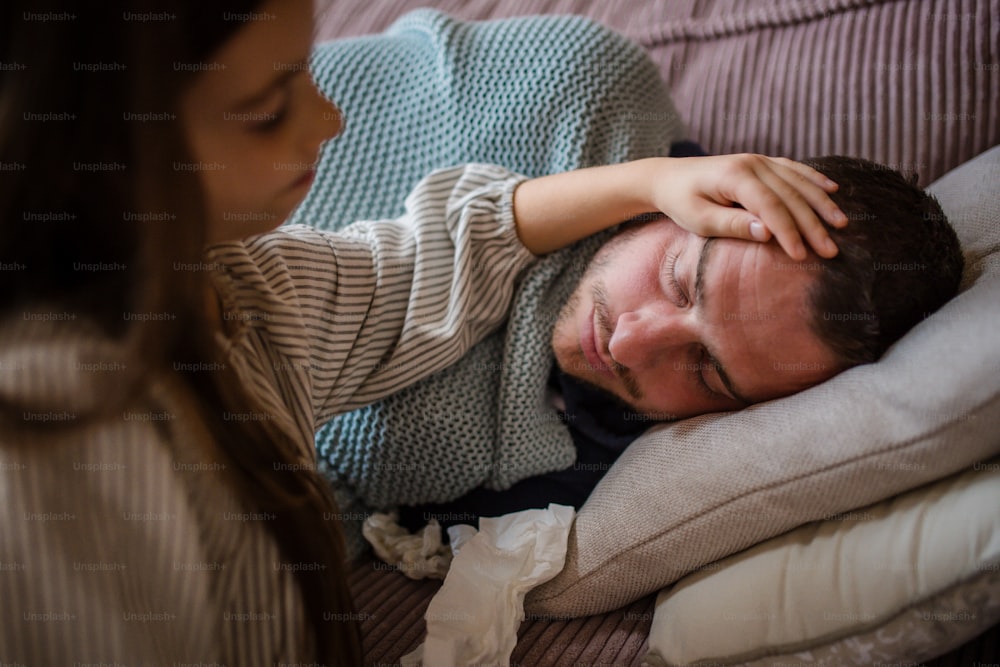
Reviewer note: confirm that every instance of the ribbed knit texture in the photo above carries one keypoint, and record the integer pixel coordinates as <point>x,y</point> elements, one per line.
<point>536,95</point>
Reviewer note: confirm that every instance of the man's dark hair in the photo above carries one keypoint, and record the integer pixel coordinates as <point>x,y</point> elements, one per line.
<point>899,260</point>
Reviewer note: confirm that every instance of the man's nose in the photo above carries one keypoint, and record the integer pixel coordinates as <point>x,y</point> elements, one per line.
<point>646,337</point>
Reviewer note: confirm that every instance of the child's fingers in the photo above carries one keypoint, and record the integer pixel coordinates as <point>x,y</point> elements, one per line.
<point>755,197</point>
<point>813,186</point>
<point>788,204</point>
<point>758,230</point>
<point>745,225</point>
<point>802,222</point>
<point>809,173</point>
<point>806,202</point>
<point>714,219</point>
<point>774,207</point>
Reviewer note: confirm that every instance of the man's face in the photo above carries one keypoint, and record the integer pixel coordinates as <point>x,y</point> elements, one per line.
<point>676,325</point>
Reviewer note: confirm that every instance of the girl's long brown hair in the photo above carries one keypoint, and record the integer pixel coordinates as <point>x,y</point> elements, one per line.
<point>57,113</point>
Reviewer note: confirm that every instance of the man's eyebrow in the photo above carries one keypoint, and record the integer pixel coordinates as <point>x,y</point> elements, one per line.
<point>287,72</point>
<point>699,297</point>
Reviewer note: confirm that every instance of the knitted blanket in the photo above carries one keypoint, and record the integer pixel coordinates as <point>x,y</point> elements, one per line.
<point>536,95</point>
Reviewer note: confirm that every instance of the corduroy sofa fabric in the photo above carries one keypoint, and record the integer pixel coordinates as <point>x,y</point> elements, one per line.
<point>908,83</point>
<point>392,624</point>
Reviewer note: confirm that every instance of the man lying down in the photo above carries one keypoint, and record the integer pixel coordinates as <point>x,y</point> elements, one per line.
<point>648,325</point>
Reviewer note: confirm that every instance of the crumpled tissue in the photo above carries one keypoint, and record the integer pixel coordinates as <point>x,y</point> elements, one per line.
<point>474,617</point>
<point>417,556</point>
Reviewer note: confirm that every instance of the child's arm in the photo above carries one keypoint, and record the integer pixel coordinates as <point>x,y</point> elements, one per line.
<point>698,193</point>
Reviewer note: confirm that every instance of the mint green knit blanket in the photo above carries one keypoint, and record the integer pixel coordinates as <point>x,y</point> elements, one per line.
<point>536,95</point>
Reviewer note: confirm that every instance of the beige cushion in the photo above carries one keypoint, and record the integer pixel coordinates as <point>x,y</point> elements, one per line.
<point>689,493</point>
<point>904,580</point>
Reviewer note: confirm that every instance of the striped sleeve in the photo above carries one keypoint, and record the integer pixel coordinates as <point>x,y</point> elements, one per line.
<point>381,304</point>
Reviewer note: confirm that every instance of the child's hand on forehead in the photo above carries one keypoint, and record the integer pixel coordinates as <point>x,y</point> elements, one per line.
<point>745,196</point>
<point>749,197</point>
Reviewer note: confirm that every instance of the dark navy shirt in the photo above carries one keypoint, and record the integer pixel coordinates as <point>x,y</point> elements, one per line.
<point>601,428</point>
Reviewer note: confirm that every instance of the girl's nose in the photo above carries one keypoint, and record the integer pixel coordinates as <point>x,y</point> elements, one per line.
<point>330,121</point>
<point>333,119</point>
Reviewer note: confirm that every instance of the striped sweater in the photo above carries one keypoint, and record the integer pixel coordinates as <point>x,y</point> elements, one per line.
<point>117,545</point>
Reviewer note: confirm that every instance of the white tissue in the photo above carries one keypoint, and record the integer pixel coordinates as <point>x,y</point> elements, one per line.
<point>474,617</point>
<point>417,556</point>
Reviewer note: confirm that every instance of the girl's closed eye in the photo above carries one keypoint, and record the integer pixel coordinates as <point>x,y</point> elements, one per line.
<point>274,119</point>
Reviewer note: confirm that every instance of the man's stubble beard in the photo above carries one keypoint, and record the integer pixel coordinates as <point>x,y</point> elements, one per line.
<point>567,353</point>
<point>569,357</point>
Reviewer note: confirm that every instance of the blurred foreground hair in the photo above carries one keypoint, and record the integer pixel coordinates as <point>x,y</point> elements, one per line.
<point>56,115</point>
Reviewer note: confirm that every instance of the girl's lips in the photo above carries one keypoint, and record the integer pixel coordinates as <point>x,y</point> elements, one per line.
<point>305,180</point>
<point>589,343</point>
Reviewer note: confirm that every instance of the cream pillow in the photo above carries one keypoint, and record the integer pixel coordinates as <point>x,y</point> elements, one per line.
<point>907,579</point>
<point>692,492</point>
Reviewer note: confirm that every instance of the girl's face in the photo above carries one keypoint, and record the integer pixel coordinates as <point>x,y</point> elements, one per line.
<point>254,122</point>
